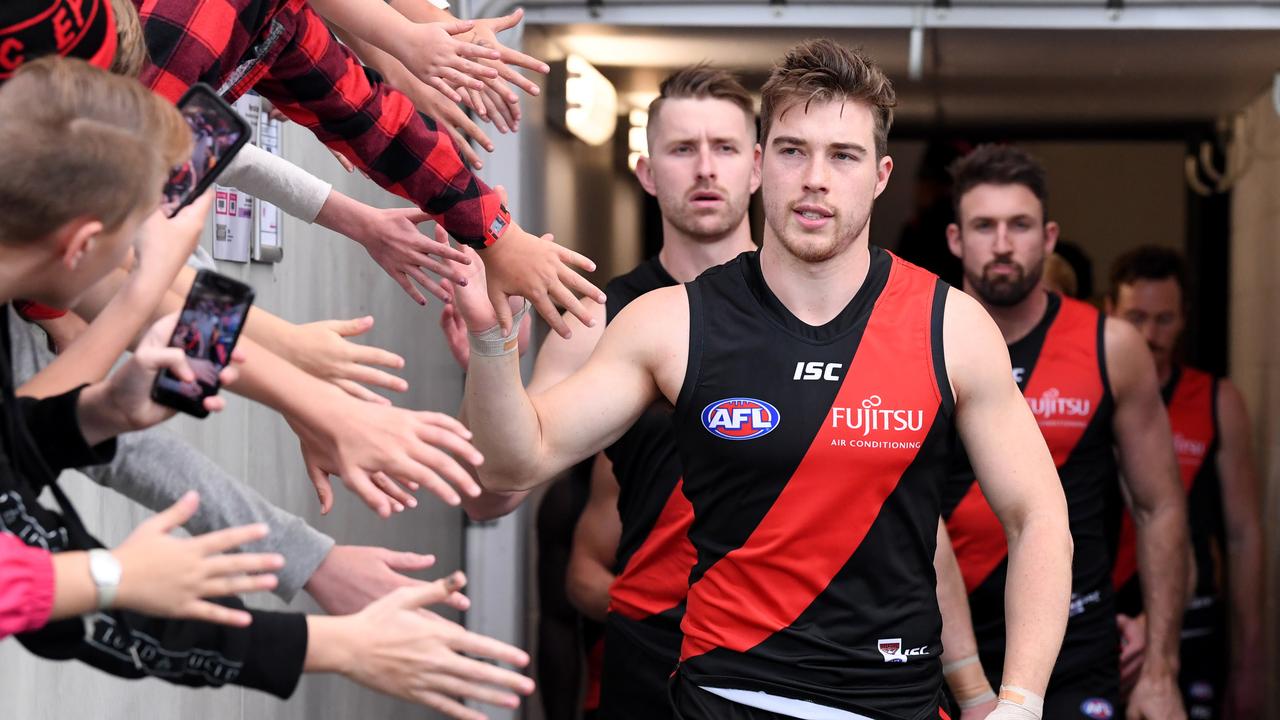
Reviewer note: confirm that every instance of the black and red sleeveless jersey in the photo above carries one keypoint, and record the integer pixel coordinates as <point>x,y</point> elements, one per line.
<point>814,458</point>
<point>646,601</point>
<point>1061,369</point>
<point>1191,397</point>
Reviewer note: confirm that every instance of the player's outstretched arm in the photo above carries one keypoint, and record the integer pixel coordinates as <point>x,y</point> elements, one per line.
<point>1018,478</point>
<point>534,437</point>
<point>1158,504</point>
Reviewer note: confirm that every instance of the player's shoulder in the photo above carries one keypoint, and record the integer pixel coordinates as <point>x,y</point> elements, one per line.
<point>1230,400</point>
<point>962,312</point>
<point>973,347</point>
<point>656,316</point>
<point>652,304</point>
<point>1126,350</point>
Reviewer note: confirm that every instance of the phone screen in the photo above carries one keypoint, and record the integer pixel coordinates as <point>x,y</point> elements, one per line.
<point>217,132</point>
<point>207,330</point>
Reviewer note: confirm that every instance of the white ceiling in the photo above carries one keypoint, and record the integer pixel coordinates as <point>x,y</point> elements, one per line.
<point>1022,77</point>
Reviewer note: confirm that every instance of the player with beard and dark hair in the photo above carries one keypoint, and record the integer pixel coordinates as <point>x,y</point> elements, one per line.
<point>817,386</point>
<point>1222,673</point>
<point>1092,386</point>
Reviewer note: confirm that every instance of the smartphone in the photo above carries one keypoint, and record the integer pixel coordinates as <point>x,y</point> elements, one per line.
<point>207,330</point>
<point>218,132</point>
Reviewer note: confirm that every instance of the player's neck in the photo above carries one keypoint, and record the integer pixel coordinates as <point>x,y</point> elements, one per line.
<point>1164,371</point>
<point>815,292</point>
<point>1015,321</point>
<point>685,257</point>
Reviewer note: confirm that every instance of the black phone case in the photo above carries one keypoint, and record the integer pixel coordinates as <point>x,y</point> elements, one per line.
<point>208,93</point>
<point>221,283</point>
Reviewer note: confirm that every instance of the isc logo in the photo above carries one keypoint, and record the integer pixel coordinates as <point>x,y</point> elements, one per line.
<point>740,418</point>
<point>817,371</point>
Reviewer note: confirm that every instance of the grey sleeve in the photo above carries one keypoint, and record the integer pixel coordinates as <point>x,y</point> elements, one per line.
<point>155,467</point>
<point>277,181</point>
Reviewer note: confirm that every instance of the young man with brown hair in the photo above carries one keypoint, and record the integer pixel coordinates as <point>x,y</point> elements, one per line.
<point>816,387</point>
<point>631,555</point>
<point>1091,384</point>
<point>1221,675</point>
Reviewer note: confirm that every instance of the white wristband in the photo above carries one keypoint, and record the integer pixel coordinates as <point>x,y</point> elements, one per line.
<point>492,343</point>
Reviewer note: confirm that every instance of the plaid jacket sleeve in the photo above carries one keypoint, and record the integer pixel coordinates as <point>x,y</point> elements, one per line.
<point>320,84</point>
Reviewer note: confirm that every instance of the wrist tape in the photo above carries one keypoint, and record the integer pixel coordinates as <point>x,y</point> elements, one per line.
<point>492,343</point>
<point>1020,703</point>
<point>967,682</point>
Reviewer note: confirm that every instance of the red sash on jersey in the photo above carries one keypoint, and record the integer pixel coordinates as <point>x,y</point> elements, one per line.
<point>1063,392</point>
<point>1191,414</point>
<point>832,499</point>
<point>656,577</point>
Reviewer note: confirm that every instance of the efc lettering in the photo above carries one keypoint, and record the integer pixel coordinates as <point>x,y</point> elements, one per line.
<point>872,417</point>
<point>817,371</point>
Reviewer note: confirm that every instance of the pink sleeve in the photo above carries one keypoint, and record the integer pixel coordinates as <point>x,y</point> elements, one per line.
<point>26,586</point>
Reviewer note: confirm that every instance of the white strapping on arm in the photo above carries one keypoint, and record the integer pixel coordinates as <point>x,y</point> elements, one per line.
<point>277,181</point>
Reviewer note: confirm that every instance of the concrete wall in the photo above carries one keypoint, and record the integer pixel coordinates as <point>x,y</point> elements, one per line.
<point>1255,336</point>
<point>322,276</point>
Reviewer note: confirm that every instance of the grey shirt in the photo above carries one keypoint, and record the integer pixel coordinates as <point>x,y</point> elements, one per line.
<point>154,468</point>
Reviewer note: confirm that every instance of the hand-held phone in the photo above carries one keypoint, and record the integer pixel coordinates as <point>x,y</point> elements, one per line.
<point>207,330</point>
<point>218,132</point>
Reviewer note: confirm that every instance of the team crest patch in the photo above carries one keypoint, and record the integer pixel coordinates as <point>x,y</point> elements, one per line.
<point>891,649</point>
<point>1097,709</point>
<point>740,418</point>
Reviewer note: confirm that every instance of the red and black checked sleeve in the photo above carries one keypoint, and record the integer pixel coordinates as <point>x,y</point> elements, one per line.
<point>320,84</point>
<point>188,42</point>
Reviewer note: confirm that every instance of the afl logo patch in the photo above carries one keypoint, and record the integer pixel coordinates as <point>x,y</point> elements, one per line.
<point>1098,709</point>
<point>740,418</point>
